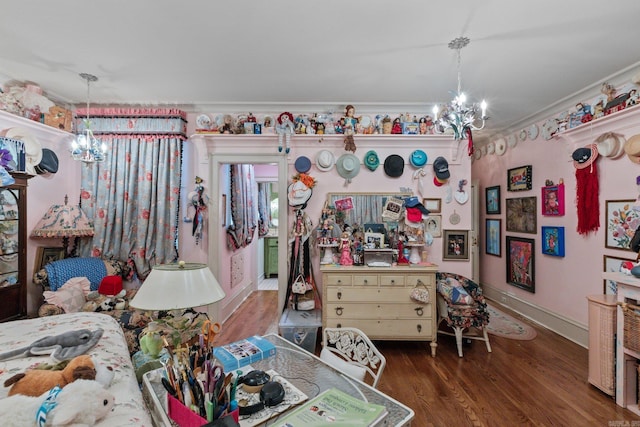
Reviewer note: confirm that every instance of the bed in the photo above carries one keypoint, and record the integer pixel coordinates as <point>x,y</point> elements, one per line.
<point>129,409</point>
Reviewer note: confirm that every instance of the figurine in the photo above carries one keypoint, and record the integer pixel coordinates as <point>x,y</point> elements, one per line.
<point>350,122</point>
<point>285,129</point>
<point>345,249</point>
<point>397,127</point>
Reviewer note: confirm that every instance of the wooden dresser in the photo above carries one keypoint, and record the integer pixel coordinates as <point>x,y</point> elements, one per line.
<point>376,300</point>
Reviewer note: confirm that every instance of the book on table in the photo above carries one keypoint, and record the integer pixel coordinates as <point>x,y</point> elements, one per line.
<point>334,408</point>
<point>241,353</point>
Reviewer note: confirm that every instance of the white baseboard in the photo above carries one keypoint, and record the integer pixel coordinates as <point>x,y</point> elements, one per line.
<point>567,328</point>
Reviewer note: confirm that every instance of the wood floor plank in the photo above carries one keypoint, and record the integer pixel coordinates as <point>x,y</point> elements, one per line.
<point>542,382</point>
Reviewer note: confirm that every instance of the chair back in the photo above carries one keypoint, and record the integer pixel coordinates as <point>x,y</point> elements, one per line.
<point>350,351</point>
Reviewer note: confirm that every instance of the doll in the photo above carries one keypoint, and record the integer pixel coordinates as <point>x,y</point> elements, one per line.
<point>350,122</point>
<point>397,127</point>
<point>285,128</point>
<point>345,249</point>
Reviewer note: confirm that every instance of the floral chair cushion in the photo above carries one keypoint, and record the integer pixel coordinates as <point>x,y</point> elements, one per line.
<point>472,312</point>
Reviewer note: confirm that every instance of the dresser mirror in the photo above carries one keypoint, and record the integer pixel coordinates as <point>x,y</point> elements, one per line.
<point>365,208</point>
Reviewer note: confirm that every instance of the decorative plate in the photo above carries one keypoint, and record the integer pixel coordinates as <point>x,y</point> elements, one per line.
<point>491,148</point>
<point>549,128</point>
<point>454,218</point>
<point>523,135</point>
<point>477,153</point>
<point>203,122</point>
<point>512,140</point>
<point>365,121</point>
<point>533,131</point>
<point>484,150</point>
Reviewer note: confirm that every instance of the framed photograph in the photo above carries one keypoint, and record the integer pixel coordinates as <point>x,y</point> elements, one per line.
<point>493,238</point>
<point>521,263</point>
<point>492,200</point>
<point>432,205</point>
<point>344,204</point>
<point>433,225</point>
<point>46,255</point>
<point>374,240</point>
<point>392,209</point>
<point>519,179</point>
<point>611,264</point>
<point>455,246</point>
<point>522,214</point>
<point>553,241</point>
<point>552,200</point>
<point>410,128</point>
<point>622,221</point>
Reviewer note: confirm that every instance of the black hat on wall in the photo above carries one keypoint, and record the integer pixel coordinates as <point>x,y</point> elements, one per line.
<point>394,166</point>
<point>48,164</point>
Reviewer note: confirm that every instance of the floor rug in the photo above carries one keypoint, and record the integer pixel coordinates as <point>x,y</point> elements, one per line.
<point>503,325</point>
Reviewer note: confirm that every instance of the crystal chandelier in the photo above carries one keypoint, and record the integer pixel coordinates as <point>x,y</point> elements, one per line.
<point>85,147</point>
<point>459,116</point>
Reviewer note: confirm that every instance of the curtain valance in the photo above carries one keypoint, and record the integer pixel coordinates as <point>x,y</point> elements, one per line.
<point>144,123</point>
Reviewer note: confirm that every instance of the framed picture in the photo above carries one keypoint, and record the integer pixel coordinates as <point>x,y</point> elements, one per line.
<point>552,200</point>
<point>611,264</point>
<point>522,214</point>
<point>553,241</point>
<point>392,209</point>
<point>519,179</point>
<point>46,255</point>
<point>492,200</point>
<point>455,246</point>
<point>521,263</point>
<point>433,225</point>
<point>622,221</point>
<point>433,205</point>
<point>374,240</point>
<point>493,237</point>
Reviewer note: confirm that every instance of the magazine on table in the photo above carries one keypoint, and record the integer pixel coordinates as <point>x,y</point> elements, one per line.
<point>333,408</point>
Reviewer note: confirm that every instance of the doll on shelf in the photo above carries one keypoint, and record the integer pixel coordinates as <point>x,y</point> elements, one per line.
<point>345,249</point>
<point>285,128</point>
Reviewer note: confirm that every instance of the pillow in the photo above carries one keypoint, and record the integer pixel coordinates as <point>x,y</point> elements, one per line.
<point>454,291</point>
<point>62,270</point>
<point>71,296</point>
<point>342,365</point>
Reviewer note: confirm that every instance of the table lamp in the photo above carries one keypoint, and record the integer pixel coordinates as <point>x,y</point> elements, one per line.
<point>64,221</point>
<point>176,287</point>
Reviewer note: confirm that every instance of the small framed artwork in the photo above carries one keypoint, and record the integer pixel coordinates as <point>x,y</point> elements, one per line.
<point>392,209</point>
<point>611,264</point>
<point>433,225</point>
<point>410,128</point>
<point>519,179</point>
<point>45,255</point>
<point>552,200</point>
<point>433,205</point>
<point>521,263</point>
<point>622,221</point>
<point>492,200</point>
<point>374,240</point>
<point>493,237</point>
<point>522,215</point>
<point>553,241</point>
<point>455,246</point>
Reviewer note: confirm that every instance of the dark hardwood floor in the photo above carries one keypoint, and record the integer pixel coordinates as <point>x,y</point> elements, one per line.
<point>542,382</point>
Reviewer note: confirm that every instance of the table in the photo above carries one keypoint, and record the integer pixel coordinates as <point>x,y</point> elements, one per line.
<point>304,370</point>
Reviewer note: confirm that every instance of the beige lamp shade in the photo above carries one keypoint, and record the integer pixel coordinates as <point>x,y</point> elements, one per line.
<point>178,286</point>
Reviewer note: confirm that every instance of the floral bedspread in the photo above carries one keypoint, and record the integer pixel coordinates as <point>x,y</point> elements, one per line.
<point>112,350</point>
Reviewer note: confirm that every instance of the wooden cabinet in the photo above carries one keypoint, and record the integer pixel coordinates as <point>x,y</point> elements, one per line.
<point>377,301</point>
<point>13,237</point>
<point>270,256</point>
<point>602,342</point>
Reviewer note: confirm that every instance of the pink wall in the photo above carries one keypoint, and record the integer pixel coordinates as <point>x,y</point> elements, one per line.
<point>561,284</point>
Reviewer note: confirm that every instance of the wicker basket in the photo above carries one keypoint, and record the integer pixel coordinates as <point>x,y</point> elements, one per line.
<point>631,326</point>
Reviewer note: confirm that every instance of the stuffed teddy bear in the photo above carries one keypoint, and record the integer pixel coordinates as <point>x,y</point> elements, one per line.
<point>81,403</point>
<point>36,381</point>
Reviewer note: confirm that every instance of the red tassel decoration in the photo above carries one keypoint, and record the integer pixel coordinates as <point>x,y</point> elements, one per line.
<point>587,199</point>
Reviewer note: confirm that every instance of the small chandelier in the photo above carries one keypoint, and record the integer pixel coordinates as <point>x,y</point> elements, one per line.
<point>459,116</point>
<point>85,147</point>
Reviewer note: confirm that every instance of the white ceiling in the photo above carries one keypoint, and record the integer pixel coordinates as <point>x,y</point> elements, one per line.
<point>380,55</point>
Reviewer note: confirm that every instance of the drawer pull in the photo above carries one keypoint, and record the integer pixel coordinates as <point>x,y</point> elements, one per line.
<point>366,281</point>
<point>419,328</point>
<point>339,325</point>
<point>419,311</point>
<point>339,311</point>
<point>339,294</point>
<point>393,281</point>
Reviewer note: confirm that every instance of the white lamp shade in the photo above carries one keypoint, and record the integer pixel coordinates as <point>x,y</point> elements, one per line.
<point>178,286</point>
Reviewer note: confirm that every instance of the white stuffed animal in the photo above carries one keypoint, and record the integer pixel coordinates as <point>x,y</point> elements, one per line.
<point>80,404</point>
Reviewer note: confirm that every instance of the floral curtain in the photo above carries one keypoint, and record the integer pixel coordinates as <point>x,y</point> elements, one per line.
<point>133,196</point>
<point>244,209</point>
<point>264,208</point>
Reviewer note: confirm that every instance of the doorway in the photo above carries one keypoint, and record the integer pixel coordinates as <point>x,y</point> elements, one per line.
<point>216,162</point>
<point>268,193</point>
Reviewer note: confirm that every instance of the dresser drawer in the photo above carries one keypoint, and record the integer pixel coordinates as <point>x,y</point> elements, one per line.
<point>336,279</point>
<point>379,311</point>
<point>364,294</point>
<point>414,279</point>
<point>365,280</point>
<point>392,280</point>
<point>389,329</point>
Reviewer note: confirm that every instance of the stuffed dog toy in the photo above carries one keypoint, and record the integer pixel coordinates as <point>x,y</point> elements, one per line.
<point>80,404</point>
<point>34,382</point>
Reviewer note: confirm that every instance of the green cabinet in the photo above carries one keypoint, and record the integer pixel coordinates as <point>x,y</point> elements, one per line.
<point>270,256</point>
